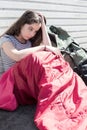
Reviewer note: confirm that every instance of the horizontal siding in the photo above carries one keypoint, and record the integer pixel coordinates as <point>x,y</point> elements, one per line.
<point>68,14</point>
<point>41,6</point>
<point>56,22</point>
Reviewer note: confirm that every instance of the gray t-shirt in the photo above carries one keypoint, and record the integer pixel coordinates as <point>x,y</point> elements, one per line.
<point>6,61</point>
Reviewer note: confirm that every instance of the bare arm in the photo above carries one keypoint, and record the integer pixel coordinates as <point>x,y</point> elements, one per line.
<point>52,49</point>
<point>17,55</point>
<point>45,37</point>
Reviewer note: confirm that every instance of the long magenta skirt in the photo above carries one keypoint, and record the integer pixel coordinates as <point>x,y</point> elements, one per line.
<point>48,80</point>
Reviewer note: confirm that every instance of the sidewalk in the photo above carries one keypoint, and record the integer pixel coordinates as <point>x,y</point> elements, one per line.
<point>21,119</point>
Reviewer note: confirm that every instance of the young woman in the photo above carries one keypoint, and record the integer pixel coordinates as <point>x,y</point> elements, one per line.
<point>28,31</point>
<point>43,77</point>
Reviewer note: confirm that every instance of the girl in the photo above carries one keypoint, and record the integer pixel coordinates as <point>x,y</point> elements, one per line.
<point>40,76</point>
<point>28,31</point>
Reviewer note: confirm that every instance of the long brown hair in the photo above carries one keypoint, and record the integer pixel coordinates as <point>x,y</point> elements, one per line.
<point>28,17</point>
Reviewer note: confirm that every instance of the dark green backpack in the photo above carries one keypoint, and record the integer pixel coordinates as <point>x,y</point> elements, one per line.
<point>72,52</point>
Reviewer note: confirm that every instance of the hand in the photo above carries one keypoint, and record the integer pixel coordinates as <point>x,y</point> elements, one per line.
<point>42,48</point>
<point>42,17</point>
<point>52,49</point>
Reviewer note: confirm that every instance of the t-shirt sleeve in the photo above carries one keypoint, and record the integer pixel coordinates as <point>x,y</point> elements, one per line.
<point>3,40</point>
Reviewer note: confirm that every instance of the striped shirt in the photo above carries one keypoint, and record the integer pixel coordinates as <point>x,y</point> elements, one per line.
<point>6,61</point>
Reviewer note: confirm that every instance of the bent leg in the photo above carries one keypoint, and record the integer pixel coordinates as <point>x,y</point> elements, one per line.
<point>7,98</point>
<point>62,98</point>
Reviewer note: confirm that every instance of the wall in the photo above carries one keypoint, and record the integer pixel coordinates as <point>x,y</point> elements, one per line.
<point>71,15</point>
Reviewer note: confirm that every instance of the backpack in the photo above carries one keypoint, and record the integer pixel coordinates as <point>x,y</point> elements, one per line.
<point>71,50</point>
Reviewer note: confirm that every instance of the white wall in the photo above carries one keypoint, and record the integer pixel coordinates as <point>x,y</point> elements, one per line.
<point>71,15</point>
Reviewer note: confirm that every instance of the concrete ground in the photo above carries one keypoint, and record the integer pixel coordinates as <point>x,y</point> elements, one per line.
<point>21,119</point>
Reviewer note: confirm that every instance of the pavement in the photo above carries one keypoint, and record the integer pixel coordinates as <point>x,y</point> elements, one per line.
<point>20,119</point>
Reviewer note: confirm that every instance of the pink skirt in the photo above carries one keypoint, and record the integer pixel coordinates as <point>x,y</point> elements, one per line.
<point>47,79</point>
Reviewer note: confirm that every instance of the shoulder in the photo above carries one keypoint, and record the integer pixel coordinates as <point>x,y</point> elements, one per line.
<point>5,38</point>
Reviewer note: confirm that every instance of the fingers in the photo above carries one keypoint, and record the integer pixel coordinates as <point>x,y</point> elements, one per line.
<point>53,50</point>
<point>41,15</point>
